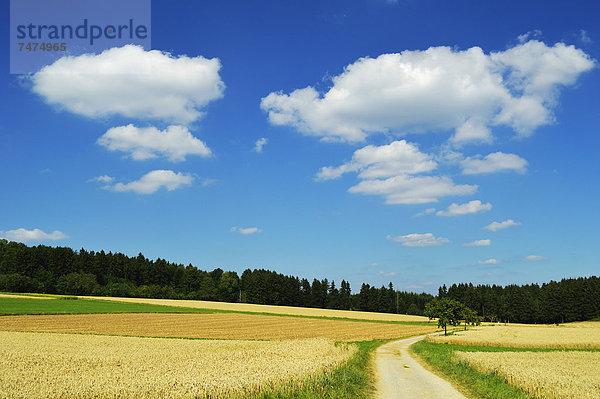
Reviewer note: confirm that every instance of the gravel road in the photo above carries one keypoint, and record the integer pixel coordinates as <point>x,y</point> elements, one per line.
<point>401,376</point>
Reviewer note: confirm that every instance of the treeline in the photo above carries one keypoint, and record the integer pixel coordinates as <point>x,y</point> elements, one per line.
<point>60,270</point>
<point>554,302</point>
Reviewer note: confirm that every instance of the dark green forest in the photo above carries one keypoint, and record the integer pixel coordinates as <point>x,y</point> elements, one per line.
<point>61,270</point>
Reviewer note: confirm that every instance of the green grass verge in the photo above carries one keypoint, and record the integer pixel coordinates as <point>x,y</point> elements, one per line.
<point>476,384</point>
<point>352,380</point>
<point>17,306</point>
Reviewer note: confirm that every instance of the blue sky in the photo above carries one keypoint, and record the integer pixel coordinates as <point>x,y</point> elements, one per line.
<point>376,117</point>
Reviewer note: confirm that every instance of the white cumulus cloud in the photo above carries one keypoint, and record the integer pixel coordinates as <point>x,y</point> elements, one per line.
<point>246,230</point>
<point>419,240</point>
<point>471,207</point>
<point>495,226</point>
<point>375,162</point>
<point>491,163</point>
<point>173,143</point>
<point>153,181</point>
<point>259,144</point>
<point>478,243</point>
<point>534,258</point>
<point>405,189</point>
<point>464,91</point>
<point>131,82</point>
<point>23,235</point>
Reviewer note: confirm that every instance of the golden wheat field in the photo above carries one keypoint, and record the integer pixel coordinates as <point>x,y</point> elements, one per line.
<point>47,365</point>
<point>286,310</point>
<point>211,325</point>
<point>557,374</point>
<point>528,337</point>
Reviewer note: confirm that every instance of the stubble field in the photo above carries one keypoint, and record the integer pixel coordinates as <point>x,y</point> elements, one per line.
<point>281,310</point>
<point>212,325</point>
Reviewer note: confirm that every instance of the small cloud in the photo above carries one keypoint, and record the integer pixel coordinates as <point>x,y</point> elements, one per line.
<point>208,182</point>
<point>419,240</point>
<point>495,226</point>
<point>469,208</point>
<point>141,143</point>
<point>492,163</point>
<point>584,37</point>
<point>45,170</point>
<point>259,144</point>
<point>153,181</point>
<point>102,179</point>
<point>490,261</point>
<point>380,162</point>
<point>427,211</point>
<point>478,243</point>
<point>532,34</point>
<point>390,274</point>
<point>405,189</point>
<point>534,258</point>
<point>23,235</point>
<point>245,230</point>
<point>374,264</point>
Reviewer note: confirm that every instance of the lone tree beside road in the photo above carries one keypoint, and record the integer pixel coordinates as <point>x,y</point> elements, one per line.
<point>448,312</point>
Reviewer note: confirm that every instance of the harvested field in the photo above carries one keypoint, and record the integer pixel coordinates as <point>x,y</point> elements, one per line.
<point>25,296</point>
<point>211,325</point>
<point>574,374</point>
<point>561,337</point>
<point>285,310</point>
<point>34,365</point>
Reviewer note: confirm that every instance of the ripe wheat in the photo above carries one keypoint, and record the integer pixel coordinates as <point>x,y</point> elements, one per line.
<point>46,365</point>
<point>568,375</point>
<point>560,337</point>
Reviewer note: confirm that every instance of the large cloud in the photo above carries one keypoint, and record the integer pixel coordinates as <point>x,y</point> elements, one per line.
<point>153,181</point>
<point>436,89</point>
<point>174,143</point>
<point>383,161</point>
<point>23,235</point>
<point>131,82</point>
